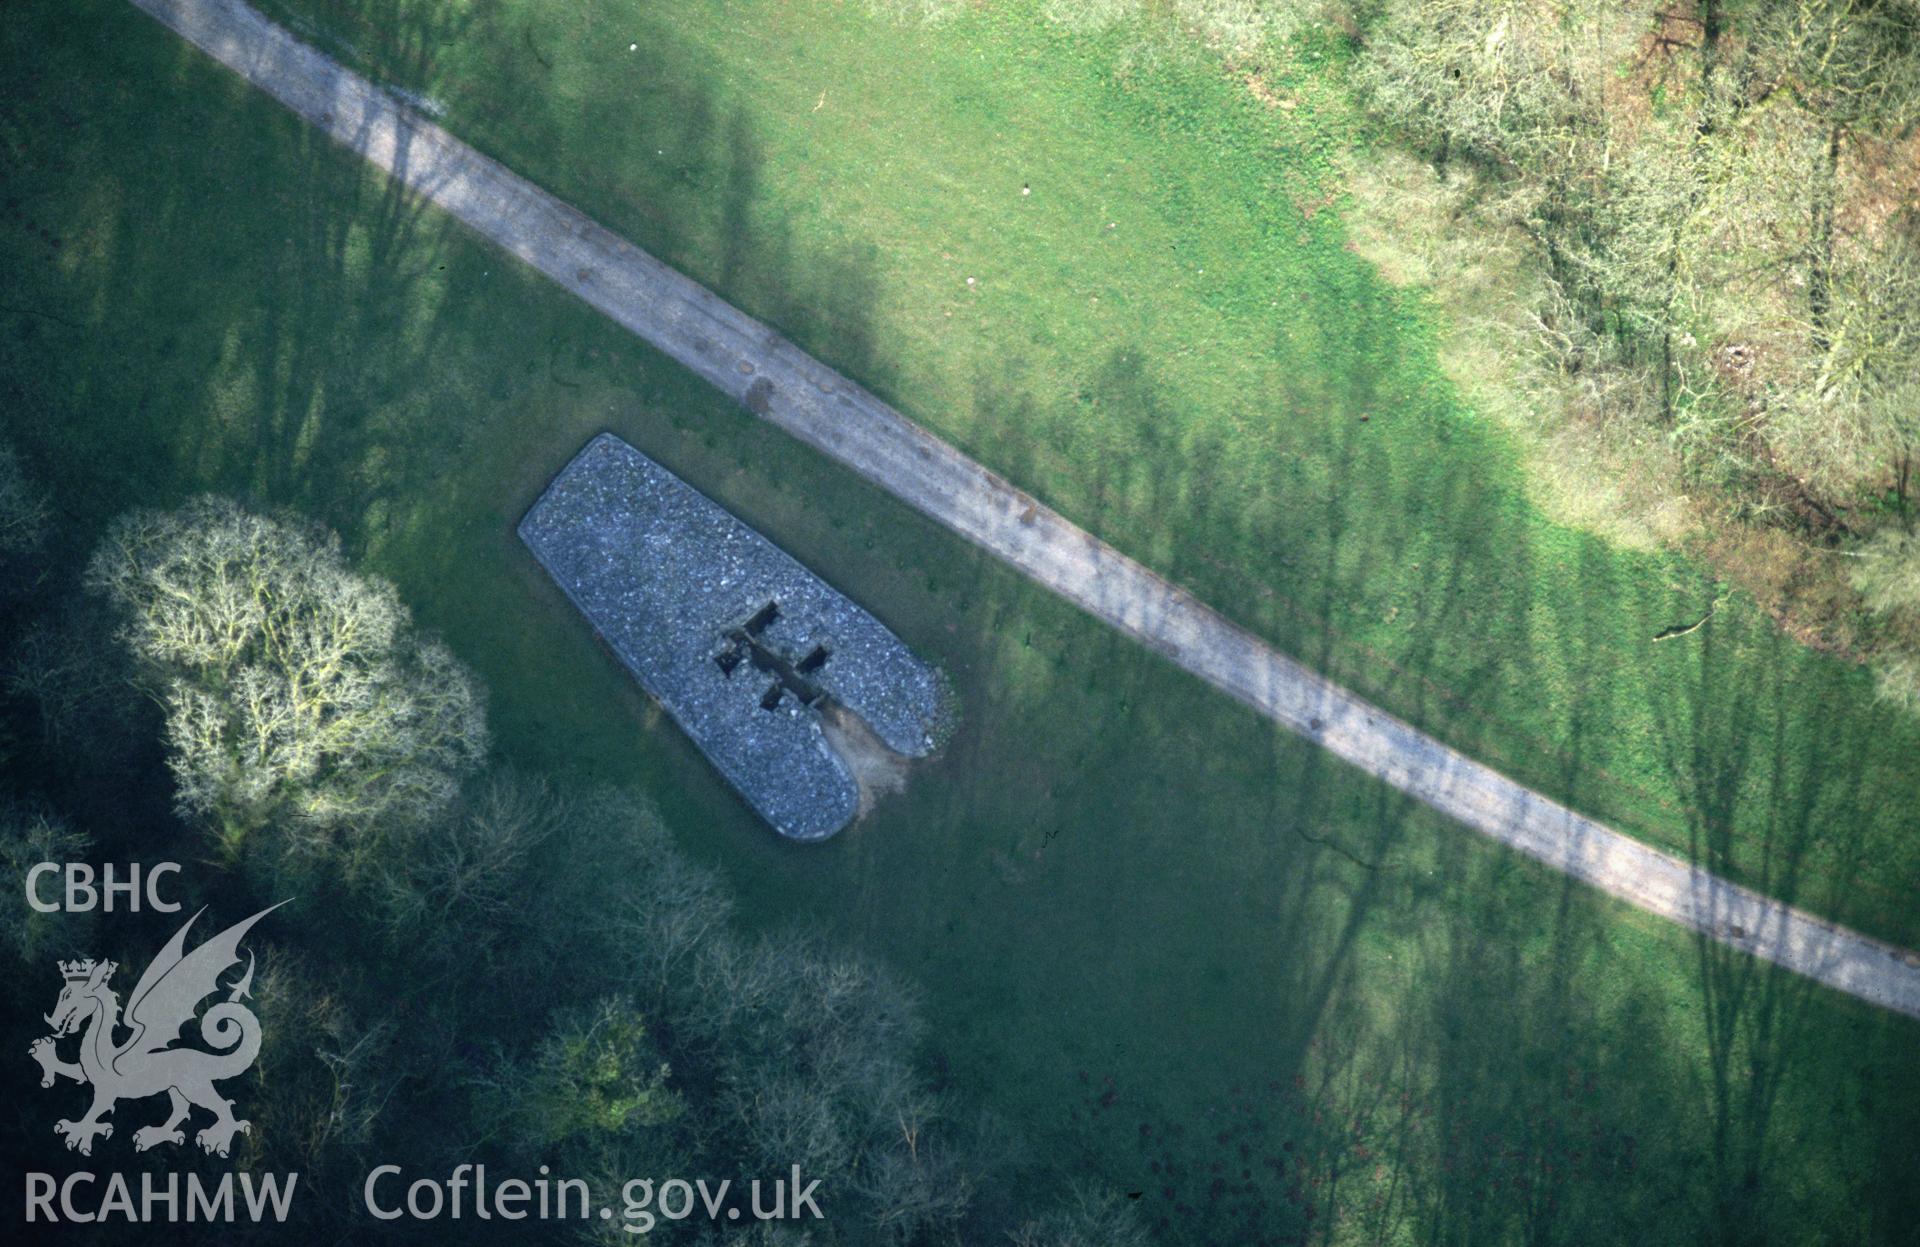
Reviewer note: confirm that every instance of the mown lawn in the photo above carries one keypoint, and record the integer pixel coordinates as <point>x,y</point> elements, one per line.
<point>1151,931</point>
<point>1168,340</point>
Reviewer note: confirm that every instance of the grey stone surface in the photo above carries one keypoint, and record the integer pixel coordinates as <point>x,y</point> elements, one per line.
<point>791,390</point>
<point>679,589</point>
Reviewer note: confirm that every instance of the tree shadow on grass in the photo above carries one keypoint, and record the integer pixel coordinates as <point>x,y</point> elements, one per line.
<point>1205,495</point>
<point>1259,1158</point>
<point>253,285</point>
<point>1759,1023</point>
<point>316,355</point>
<point>1552,1084</point>
<point>1344,417</point>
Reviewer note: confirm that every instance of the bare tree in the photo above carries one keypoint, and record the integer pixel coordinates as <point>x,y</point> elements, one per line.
<point>328,1074</point>
<point>1853,64</point>
<point>912,1179</point>
<point>669,910</point>
<point>1089,1218</point>
<point>71,666</point>
<point>449,888</point>
<point>1888,577</point>
<point>597,1072</point>
<point>30,835</point>
<point>24,516</point>
<point>24,511</point>
<point>295,690</point>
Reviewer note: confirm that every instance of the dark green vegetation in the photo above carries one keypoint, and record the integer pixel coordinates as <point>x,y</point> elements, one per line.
<point>1151,932</point>
<point>1167,341</point>
<point>523,975</point>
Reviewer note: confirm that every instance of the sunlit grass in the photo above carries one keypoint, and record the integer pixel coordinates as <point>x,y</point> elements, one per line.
<point>1171,339</point>
<point>1111,870</point>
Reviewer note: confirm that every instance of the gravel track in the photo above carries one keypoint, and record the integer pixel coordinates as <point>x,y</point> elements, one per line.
<point>780,383</point>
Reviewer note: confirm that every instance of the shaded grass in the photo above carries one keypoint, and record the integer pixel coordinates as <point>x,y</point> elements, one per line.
<point>1170,341</point>
<point>1111,871</point>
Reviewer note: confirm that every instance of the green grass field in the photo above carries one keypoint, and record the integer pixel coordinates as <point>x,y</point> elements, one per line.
<point>1151,930</point>
<point>1169,341</point>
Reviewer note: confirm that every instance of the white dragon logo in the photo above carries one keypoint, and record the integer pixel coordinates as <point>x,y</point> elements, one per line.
<point>145,1064</point>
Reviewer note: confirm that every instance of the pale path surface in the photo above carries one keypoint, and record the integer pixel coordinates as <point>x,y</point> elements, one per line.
<point>782,384</point>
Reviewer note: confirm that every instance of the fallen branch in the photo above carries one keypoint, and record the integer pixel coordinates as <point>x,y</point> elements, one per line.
<point>1682,630</point>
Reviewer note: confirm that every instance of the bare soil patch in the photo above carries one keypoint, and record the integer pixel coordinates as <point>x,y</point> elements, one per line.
<point>877,769</point>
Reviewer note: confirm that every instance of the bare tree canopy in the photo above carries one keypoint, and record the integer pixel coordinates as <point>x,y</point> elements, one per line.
<point>1719,205</point>
<point>23,507</point>
<point>30,835</point>
<point>1088,1218</point>
<point>295,690</point>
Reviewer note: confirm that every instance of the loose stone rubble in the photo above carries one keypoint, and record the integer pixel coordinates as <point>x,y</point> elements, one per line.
<point>742,645</point>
